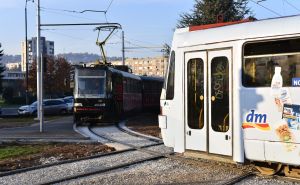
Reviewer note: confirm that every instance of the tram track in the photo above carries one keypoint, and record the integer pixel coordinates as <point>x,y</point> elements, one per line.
<point>130,132</point>
<point>145,155</point>
<point>23,170</point>
<point>239,178</point>
<point>231,181</point>
<point>103,170</point>
<point>149,157</point>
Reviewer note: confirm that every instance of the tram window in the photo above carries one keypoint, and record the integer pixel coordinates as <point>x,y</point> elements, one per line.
<point>171,78</point>
<point>91,86</point>
<point>220,94</point>
<point>195,72</point>
<point>260,60</point>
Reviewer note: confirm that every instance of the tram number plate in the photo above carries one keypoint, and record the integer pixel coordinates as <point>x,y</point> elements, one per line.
<point>296,82</point>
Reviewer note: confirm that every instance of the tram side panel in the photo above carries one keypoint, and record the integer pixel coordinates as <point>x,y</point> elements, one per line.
<point>151,94</point>
<point>117,96</point>
<point>171,118</point>
<point>271,114</point>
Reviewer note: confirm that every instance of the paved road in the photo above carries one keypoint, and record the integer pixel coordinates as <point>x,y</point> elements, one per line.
<point>57,129</point>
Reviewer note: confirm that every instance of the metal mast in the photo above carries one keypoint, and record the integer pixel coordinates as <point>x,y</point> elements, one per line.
<point>39,71</point>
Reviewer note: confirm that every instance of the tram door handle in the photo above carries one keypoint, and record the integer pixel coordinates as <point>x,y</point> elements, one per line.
<point>227,137</point>
<point>189,133</point>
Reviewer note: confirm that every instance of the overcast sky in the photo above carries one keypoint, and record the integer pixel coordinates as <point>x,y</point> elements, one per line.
<point>147,23</point>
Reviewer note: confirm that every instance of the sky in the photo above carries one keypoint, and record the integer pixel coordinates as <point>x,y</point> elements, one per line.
<point>146,23</point>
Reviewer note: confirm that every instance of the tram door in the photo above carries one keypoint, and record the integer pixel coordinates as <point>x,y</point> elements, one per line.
<point>196,102</point>
<point>207,83</point>
<point>220,124</point>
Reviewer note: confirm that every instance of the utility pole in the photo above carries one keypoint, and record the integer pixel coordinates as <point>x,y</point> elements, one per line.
<point>26,53</point>
<point>123,48</point>
<point>39,71</point>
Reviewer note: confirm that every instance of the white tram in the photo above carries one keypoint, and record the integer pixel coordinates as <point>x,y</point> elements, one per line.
<point>222,96</point>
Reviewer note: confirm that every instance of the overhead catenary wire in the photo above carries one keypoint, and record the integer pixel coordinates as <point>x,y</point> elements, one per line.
<point>109,6</point>
<point>137,46</point>
<point>68,15</point>
<point>289,3</point>
<point>258,3</point>
<point>79,12</point>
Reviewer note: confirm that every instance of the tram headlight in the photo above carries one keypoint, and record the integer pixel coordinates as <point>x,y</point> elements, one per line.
<point>100,105</point>
<point>77,104</point>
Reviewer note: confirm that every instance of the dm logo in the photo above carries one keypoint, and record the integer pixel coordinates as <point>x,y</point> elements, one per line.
<point>296,82</point>
<point>258,121</point>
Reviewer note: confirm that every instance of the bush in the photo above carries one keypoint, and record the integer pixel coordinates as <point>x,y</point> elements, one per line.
<point>8,94</point>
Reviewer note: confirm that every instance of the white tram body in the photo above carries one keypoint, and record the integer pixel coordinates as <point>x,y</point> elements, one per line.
<point>218,97</point>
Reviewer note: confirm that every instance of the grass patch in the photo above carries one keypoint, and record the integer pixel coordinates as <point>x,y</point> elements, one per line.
<point>16,151</point>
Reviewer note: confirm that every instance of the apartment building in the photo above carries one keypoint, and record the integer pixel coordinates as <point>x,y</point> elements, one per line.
<point>47,48</point>
<point>155,66</point>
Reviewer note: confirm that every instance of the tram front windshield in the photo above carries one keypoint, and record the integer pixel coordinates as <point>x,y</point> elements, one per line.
<point>91,84</point>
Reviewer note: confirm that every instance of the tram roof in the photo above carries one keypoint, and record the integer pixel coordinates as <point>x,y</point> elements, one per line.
<point>125,74</point>
<point>151,78</point>
<point>243,30</point>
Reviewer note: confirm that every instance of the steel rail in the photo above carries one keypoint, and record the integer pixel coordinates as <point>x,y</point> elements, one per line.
<point>239,178</point>
<point>22,170</point>
<point>137,135</point>
<point>106,169</point>
<point>138,148</point>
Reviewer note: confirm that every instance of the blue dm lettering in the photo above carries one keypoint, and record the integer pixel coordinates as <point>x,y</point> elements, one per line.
<point>256,118</point>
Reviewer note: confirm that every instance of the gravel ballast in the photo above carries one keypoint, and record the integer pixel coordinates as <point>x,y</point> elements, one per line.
<point>60,171</point>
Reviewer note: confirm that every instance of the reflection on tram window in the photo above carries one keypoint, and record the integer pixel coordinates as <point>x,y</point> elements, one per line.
<point>92,86</point>
<point>171,78</point>
<point>261,59</point>
<point>195,93</point>
<point>220,94</point>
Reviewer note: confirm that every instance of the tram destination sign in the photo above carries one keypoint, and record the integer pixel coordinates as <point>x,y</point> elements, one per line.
<point>296,82</point>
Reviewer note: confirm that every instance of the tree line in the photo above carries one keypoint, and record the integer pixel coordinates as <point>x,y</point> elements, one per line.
<point>56,77</point>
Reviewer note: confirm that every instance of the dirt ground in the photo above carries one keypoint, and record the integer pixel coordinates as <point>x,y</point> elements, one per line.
<point>51,153</point>
<point>146,123</point>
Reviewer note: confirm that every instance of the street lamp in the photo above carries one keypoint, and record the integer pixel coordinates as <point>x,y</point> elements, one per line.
<point>26,51</point>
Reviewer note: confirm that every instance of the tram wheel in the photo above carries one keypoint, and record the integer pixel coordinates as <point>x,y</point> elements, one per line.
<point>269,168</point>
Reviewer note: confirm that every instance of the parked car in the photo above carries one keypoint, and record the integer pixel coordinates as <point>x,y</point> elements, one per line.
<point>69,100</point>
<point>51,106</point>
<point>28,109</point>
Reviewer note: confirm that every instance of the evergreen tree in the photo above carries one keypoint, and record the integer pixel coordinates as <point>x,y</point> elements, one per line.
<point>213,11</point>
<point>2,69</point>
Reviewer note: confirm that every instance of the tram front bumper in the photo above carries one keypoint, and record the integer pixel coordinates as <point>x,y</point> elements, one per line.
<point>91,114</point>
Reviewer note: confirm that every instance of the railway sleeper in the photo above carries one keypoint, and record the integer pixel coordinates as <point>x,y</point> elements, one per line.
<point>291,171</point>
<point>270,169</point>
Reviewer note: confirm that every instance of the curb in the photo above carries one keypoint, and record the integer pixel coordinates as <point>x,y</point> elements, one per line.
<point>124,127</point>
